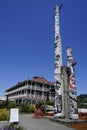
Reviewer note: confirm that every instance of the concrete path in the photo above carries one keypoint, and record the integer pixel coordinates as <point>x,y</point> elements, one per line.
<point>31,123</point>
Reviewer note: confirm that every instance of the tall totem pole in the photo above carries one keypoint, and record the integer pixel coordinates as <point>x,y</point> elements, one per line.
<point>73,110</point>
<point>65,91</point>
<point>57,65</point>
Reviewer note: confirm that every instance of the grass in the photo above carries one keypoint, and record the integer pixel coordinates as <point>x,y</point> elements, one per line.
<point>4,114</point>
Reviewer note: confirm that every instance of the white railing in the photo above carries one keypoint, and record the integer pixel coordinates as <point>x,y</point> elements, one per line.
<point>18,89</point>
<point>17,96</point>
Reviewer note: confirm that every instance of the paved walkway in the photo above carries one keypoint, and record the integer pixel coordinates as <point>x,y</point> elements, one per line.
<point>31,123</point>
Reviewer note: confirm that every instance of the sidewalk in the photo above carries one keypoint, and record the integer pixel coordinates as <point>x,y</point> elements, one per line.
<point>31,123</point>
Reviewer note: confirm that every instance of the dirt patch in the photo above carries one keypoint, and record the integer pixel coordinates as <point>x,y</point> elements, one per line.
<point>80,126</point>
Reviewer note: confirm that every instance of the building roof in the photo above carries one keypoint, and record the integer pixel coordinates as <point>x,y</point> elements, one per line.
<point>36,79</point>
<point>42,80</point>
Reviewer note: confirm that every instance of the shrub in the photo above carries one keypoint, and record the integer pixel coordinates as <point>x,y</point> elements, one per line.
<point>38,104</point>
<point>2,105</point>
<point>32,108</point>
<point>4,114</point>
<point>26,108</point>
<point>22,107</point>
<point>11,104</point>
<point>49,103</point>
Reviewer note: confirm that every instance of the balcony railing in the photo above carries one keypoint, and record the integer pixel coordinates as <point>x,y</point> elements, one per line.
<point>29,95</point>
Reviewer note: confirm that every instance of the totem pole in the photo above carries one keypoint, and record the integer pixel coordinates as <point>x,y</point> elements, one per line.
<point>73,110</point>
<point>57,66</point>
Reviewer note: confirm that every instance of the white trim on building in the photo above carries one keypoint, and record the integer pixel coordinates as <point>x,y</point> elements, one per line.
<point>31,90</point>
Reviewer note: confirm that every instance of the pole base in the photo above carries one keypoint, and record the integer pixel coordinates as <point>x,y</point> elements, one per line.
<point>58,115</point>
<point>74,116</point>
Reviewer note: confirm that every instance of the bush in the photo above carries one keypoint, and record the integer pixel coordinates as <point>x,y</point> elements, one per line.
<point>2,105</point>
<point>49,103</point>
<point>38,104</point>
<point>45,103</point>
<point>22,107</point>
<point>4,114</point>
<point>26,108</point>
<point>32,108</point>
<point>11,104</point>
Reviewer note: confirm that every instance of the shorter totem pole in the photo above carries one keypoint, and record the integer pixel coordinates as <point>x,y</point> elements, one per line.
<point>73,110</point>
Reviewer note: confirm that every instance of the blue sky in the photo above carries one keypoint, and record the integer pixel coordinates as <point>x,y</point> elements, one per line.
<point>27,40</point>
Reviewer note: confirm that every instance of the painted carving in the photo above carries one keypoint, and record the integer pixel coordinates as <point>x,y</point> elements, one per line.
<point>57,65</point>
<point>72,84</point>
